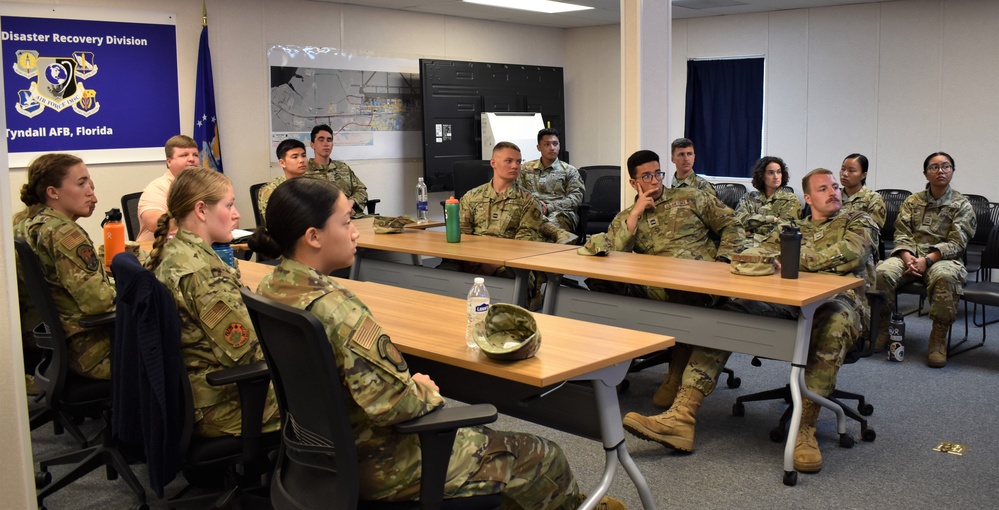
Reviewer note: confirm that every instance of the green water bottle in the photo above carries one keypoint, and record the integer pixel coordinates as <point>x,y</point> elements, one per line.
<point>452,225</point>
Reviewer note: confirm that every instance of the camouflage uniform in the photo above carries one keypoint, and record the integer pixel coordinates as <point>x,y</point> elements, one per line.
<point>264,195</point>
<point>339,173</point>
<point>840,245</point>
<point>758,214</point>
<point>29,315</point>
<point>926,225</point>
<point>559,186</point>
<point>693,180</point>
<point>78,284</point>
<point>216,332</point>
<point>530,471</point>
<point>869,201</point>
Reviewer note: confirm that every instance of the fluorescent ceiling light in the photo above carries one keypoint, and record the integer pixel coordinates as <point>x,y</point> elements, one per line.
<point>545,6</point>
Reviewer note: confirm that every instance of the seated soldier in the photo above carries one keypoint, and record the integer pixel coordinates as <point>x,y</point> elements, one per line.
<point>554,183</point>
<point>682,156</point>
<point>337,172</point>
<point>760,211</point>
<point>293,161</point>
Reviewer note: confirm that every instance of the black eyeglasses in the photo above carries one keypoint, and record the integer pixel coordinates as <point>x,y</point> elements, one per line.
<point>648,177</point>
<point>946,167</point>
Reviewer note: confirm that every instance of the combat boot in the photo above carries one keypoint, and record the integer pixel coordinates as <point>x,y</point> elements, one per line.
<point>609,503</point>
<point>666,393</point>
<point>936,355</point>
<point>675,427</point>
<point>881,343</point>
<point>807,457</point>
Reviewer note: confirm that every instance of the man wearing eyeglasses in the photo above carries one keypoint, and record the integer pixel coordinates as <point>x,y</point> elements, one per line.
<point>931,233</point>
<point>682,156</point>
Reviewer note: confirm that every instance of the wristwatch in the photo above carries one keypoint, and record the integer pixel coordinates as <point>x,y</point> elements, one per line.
<point>929,261</point>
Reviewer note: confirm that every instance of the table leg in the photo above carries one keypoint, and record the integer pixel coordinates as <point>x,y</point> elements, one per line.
<point>551,293</point>
<point>604,383</point>
<point>520,286</point>
<point>356,267</point>
<point>798,362</point>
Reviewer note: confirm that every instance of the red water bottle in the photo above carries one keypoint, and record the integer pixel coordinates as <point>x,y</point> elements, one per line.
<point>114,235</point>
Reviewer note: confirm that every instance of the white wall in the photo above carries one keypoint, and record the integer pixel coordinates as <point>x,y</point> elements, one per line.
<point>894,81</point>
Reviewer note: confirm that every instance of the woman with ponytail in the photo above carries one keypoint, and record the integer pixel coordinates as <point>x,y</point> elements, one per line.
<point>59,191</point>
<point>216,332</point>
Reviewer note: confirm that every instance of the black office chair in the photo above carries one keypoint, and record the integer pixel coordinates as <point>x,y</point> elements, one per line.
<point>976,245</point>
<point>858,350</point>
<point>893,202</point>
<point>318,464</point>
<point>68,395</point>
<point>155,413</point>
<point>130,210</point>
<point>730,193</point>
<point>603,194</point>
<point>983,292</point>
<point>255,202</point>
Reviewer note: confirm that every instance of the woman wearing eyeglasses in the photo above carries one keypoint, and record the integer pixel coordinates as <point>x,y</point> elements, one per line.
<point>759,212</point>
<point>931,234</point>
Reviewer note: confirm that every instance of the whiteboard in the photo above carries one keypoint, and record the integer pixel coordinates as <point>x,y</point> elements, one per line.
<point>520,128</point>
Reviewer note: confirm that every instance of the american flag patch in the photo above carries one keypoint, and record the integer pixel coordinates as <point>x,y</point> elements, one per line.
<point>214,315</point>
<point>73,239</point>
<point>366,333</point>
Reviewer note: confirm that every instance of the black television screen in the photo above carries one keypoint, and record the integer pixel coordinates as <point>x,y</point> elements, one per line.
<point>455,93</point>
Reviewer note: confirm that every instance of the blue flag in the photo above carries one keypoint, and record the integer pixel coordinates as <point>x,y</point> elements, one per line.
<point>206,127</point>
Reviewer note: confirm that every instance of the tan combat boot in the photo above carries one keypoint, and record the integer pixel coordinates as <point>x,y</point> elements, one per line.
<point>675,427</point>
<point>807,457</point>
<point>666,393</point>
<point>936,355</point>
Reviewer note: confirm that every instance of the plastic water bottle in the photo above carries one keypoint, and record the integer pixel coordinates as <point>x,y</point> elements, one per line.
<point>422,204</point>
<point>896,337</point>
<point>478,305</point>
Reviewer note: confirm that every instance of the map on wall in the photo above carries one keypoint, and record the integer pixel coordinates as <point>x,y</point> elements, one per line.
<point>374,113</point>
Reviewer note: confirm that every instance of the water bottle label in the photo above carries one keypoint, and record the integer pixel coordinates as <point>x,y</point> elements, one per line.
<point>422,206</point>
<point>896,351</point>
<point>895,333</point>
<point>481,307</point>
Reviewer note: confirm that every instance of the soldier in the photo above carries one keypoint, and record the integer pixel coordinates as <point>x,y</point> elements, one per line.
<point>181,152</point>
<point>554,183</point>
<point>931,233</point>
<point>682,156</point>
<point>60,191</point>
<point>671,222</point>
<point>833,242</point>
<point>337,172</point>
<point>530,472</point>
<point>216,332</point>
<point>294,163</point>
<point>759,212</point>
<point>856,194</point>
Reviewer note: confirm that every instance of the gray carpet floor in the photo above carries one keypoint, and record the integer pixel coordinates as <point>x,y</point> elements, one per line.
<point>736,465</point>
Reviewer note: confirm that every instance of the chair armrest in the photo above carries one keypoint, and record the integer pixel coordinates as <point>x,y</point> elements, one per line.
<point>239,374</point>
<point>437,431</point>
<point>584,214</point>
<point>371,205</point>
<point>252,381</point>
<point>93,321</point>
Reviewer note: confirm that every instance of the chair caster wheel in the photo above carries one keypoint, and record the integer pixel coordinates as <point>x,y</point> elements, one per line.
<point>868,435</point>
<point>865,409</point>
<point>846,441</point>
<point>777,435</point>
<point>42,478</point>
<point>734,382</point>
<point>790,478</point>
<point>738,409</point>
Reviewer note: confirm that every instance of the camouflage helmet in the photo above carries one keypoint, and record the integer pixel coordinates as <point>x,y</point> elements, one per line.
<point>508,332</point>
<point>597,244</point>
<point>392,224</point>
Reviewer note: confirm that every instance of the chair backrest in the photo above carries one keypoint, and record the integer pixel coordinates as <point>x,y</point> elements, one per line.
<point>983,215</point>
<point>605,199</point>
<point>37,286</point>
<point>590,175</point>
<point>130,210</point>
<point>320,463</point>
<point>255,202</point>
<point>466,175</point>
<point>990,257</point>
<point>730,192</point>
<point>893,202</point>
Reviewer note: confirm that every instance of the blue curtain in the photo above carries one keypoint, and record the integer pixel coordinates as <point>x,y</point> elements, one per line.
<point>724,116</point>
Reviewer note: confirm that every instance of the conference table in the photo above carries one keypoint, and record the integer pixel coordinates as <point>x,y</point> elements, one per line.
<point>419,242</point>
<point>721,329</point>
<point>569,385</point>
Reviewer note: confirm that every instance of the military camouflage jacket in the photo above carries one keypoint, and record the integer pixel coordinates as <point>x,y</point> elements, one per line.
<point>216,332</point>
<point>29,315</point>
<point>869,201</point>
<point>513,214</point>
<point>692,180</point>
<point>373,372</point>
<point>678,227</point>
<point>340,174</point>
<point>559,186</point>
<point>925,225</point>
<point>758,215</point>
<point>76,279</point>
<point>264,195</point>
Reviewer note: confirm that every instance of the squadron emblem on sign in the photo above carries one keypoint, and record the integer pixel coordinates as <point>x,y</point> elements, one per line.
<point>57,83</point>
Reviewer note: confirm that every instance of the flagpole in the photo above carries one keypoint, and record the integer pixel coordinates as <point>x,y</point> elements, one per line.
<point>204,14</point>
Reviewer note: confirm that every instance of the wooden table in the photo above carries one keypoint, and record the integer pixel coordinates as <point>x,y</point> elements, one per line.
<point>430,330</point>
<point>720,329</point>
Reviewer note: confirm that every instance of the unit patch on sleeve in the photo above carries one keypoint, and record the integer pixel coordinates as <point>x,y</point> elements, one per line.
<point>389,352</point>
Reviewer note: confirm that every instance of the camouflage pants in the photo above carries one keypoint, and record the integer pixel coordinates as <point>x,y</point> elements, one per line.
<point>90,354</point>
<point>225,418</point>
<point>944,286</point>
<point>531,472</point>
<point>562,219</point>
<point>835,328</point>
